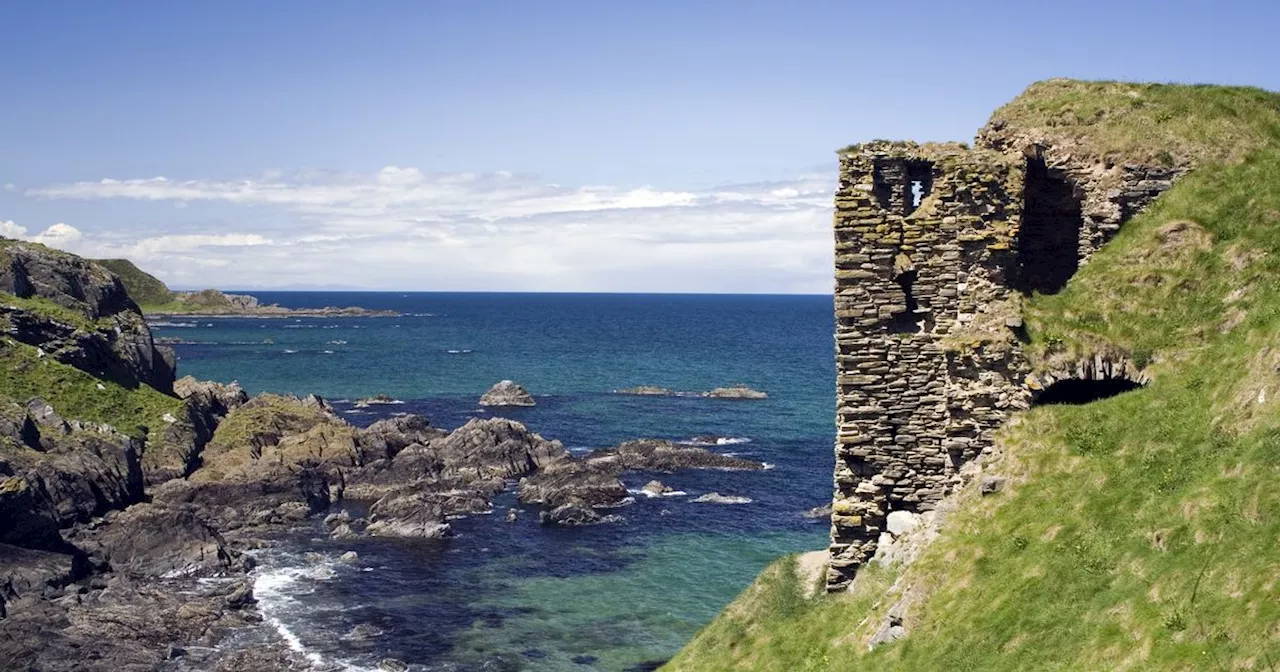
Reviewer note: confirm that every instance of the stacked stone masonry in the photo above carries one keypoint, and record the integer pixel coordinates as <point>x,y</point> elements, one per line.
<point>935,246</point>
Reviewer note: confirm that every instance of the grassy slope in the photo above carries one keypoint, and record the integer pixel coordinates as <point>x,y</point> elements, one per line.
<point>75,394</point>
<point>1139,532</point>
<point>145,289</point>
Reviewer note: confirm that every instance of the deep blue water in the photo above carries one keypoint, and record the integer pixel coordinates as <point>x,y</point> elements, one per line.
<point>518,596</point>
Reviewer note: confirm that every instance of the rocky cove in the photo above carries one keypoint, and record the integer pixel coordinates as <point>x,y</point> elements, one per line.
<point>176,523</point>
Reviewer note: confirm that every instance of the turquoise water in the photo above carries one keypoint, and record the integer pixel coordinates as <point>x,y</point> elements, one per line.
<point>501,596</point>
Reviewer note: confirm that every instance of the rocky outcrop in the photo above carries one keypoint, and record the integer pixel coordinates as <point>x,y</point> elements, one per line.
<point>664,456</point>
<point>735,392</point>
<point>80,314</point>
<point>717,498</point>
<point>646,391</point>
<point>507,393</point>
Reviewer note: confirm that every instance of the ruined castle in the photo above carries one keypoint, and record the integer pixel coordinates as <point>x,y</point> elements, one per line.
<point>936,245</point>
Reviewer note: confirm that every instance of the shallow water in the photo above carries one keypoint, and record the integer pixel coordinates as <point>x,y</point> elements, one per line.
<point>517,596</point>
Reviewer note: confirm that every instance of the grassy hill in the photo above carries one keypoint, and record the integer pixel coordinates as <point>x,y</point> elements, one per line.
<point>1137,532</point>
<point>145,289</point>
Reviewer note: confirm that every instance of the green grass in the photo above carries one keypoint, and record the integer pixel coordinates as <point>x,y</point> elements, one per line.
<point>1137,532</point>
<point>45,308</point>
<point>145,289</point>
<point>1171,124</point>
<point>74,394</point>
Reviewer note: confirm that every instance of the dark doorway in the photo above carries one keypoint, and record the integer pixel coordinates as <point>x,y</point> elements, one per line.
<point>1049,238</point>
<point>1075,391</point>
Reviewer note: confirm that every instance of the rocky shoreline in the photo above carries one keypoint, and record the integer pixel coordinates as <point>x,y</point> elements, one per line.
<point>131,546</point>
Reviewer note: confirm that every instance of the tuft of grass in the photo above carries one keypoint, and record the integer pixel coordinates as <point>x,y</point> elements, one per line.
<point>1165,124</point>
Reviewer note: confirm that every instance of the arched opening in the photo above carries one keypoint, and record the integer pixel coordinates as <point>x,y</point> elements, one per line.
<point>1077,391</point>
<point>1049,238</point>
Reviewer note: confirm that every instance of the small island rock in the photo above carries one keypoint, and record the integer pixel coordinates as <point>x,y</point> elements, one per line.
<point>646,391</point>
<point>735,392</point>
<point>507,393</point>
<point>717,498</point>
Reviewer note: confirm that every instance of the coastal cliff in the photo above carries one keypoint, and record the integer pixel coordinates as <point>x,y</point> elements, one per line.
<point>1056,418</point>
<point>155,298</point>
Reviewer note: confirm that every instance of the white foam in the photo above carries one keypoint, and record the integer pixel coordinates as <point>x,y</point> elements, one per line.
<point>731,440</point>
<point>328,352</point>
<point>768,465</point>
<point>271,590</point>
<point>290,352</point>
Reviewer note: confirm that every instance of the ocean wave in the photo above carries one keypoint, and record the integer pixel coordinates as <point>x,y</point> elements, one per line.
<point>459,352</point>
<point>274,591</point>
<point>327,352</point>
<point>184,325</point>
<point>290,352</point>
<point>336,342</point>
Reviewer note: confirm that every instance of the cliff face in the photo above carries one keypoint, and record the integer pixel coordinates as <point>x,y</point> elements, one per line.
<point>936,247</point>
<point>80,314</point>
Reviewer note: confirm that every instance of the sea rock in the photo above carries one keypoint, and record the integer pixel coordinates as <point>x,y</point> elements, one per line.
<point>665,456</point>
<point>377,399</point>
<point>646,391</point>
<point>656,488</point>
<point>495,447</point>
<point>735,392</point>
<point>575,480</point>
<point>818,512</point>
<point>574,512</point>
<point>418,515</point>
<point>717,498</point>
<point>507,393</point>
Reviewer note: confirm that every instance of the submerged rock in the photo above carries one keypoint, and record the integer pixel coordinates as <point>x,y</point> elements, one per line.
<point>735,392</point>
<point>507,393</point>
<point>646,391</point>
<point>717,498</point>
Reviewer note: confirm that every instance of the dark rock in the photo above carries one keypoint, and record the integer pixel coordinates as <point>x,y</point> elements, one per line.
<point>416,514</point>
<point>665,456</point>
<point>150,540</point>
<point>113,341</point>
<point>989,485</point>
<point>574,511</point>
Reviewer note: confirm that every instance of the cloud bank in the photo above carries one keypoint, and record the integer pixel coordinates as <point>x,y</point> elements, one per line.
<point>401,228</point>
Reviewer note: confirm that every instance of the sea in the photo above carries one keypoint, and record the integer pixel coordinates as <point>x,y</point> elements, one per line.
<point>500,595</point>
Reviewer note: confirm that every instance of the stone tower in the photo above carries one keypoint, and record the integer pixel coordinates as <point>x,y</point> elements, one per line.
<point>935,247</point>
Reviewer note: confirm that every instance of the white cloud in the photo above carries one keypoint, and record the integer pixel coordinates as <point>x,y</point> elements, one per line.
<point>10,229</point>
<point>401,228</point>
<point>63,236</point>
<point>9,186</point>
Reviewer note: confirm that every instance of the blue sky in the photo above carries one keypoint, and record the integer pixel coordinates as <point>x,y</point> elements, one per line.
<point>553,145</point>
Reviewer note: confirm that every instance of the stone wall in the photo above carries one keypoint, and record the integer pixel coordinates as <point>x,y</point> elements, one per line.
<point>935,246</point>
